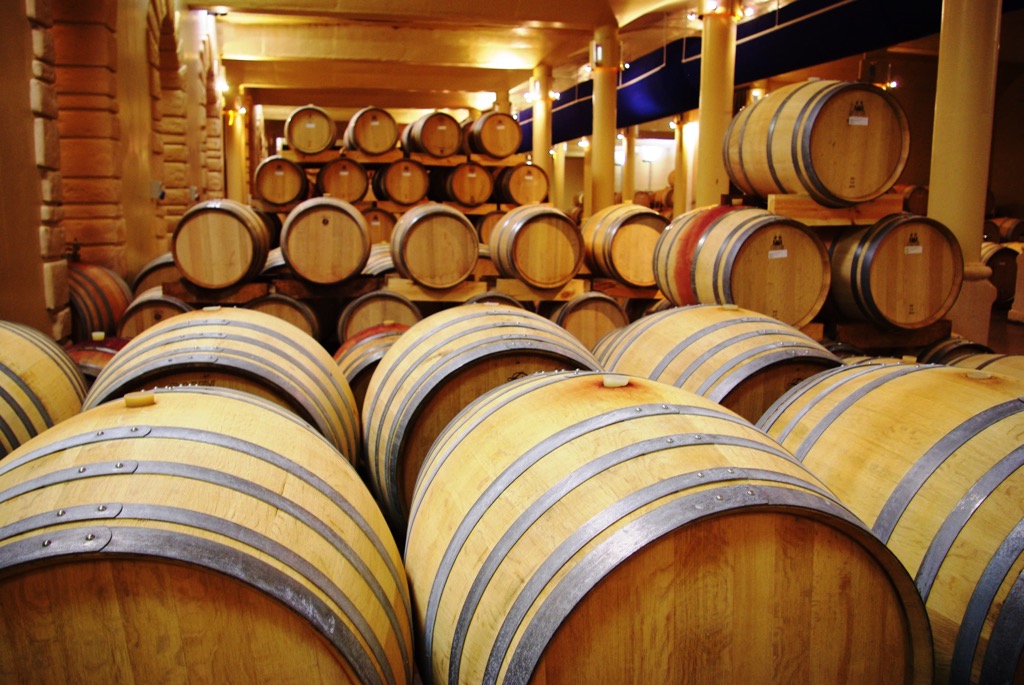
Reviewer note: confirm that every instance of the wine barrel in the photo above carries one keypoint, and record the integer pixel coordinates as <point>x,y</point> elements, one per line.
<point>614,518</point>
<point>1004,364</point>
<point>437,134</point>
<point>495,134</point>
<point>485,224</point>
<point>213,536</point>
<point>287,308</point>
<point>915,198</point>
<point>373,309</point>
<point>404,181</point>
<point>148,308</point>
<point>739,358</point>
<point>92,356</point>
<point>1001,258</point>
<point>99,297</point>
<point>538,245</point>
<point>929,457</point>
<point>745,256</point>
<point>220,243</point>
<point>157,271</point>
<point>468,184</point>
<point>358,356</point>
<point>1005,229</point>
<point>241,349</point>
<point>946,350</point>
<point>371,130</point>
<point>434,245</point>
<point>280,181</point>
<point>620,242</point>
<point>40,385</point>
<point>437,367</point>
<point>590,316</point>
<point>310,130</point>
<point>380,223</point>
<point>841,142</point>
<point>325,240</point>
<point>343,179</point>
<point>521,184</point>
<point>903,272</point>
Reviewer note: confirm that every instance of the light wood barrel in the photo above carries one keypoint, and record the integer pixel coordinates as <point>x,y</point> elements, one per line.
<point>905,271</point>
<point>615,519</point>
<point>915,198</point>
<point>1002,259</point>
<point>929,457</point>
<point>343,179</point>
<point>590,316</point>
<point>434,245</point>
<point>373,309</point>
<point>620,242</point>
<point>485,224</point>
<point>841,142</point>
<point>748,257</point>
<point>280,181</point>
<point>288,308</point>
<point>196,535</point>
<point>372,130</point>
<point>380,261</point>
<point>380,223</point>
<point>946,350</point>
<point>436,368</point>
<point>537,244</point>
<point>437,134</point>
<point>468,184</point>
<point>1004,364</point>
<point>741,359</point>
<point>93,355</point>
<point>310,130</point>
<point>40,385</point>
<point>495,134</point>
<point>220,243</point>
<point>521,184</point>
<point>148,308</point>
<point>99,297</point>
<point>157,271</point>
<point>325,240</point>
<point>1005,229</point>
<point>405,182</point>
<point>358,356</point>
<point>241,349</point>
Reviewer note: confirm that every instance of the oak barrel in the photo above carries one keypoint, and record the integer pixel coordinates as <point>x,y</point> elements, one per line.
<point>280,181</point>
<point>841,142</point>
<point>220,243</point>
<point>537,244</point>
<point>310,130</point>
<point>741,359</point>
<point>929,457</point>
<point>468,184</point>
<point>40,384</point>
<point>373,309</point>
<point>149,307</point>
<point>1005,229</point>
<point>404,181</point>
<point>745,256</point>
<point>92,355</point>
<point>495,134</point>
<point>620,241</point>
<point>437,134</point>
<point>288,308</point>
<point>99,297</point>
<point>521,184</point>
<point>903,272</point>
<point>1001,258</point>
<point>1004,364</point>
<point>325,240</point>
<point>343,179</point>
<point>380,223</point>
<point>436,368</point>
<point>946,350</point>
<point>434,245</point>
<point>196,535</point>
<point>590,316</point>
<point>621,530</point>
<point>157,271</point>
<point>241,349</point>
<point>372,130</point>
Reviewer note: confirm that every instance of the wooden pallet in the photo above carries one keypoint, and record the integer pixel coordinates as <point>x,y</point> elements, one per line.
<point>805,210</point>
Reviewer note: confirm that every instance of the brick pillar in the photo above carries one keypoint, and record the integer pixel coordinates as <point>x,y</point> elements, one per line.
<point>90,151</point>
<point>171,128</point>
<point>43,98</point>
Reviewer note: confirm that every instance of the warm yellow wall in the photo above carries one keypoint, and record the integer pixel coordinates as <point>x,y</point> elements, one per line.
<point>21,269</point>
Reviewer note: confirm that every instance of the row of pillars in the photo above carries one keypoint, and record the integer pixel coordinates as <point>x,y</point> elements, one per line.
<point>965,96</point>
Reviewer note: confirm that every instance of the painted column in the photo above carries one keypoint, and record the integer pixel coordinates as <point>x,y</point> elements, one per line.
<point>717,76</point>
<point>961,145</point>
<point>558,198</point>
<point>629,163</point>
<point>679,178</point>
<point>604,60</point>
<point>541,87</point>
<point>502,102</point>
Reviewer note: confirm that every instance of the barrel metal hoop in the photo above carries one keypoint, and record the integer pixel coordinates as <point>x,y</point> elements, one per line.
<point>758,359</point>
<point>1006,643</point>
<point>680,347</point>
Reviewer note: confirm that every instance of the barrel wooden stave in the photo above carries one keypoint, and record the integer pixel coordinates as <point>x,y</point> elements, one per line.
<point>325,240</point>
<point>310,130</point>
<point>220,243</point>
<point>289,309</point>
<point>343,178</point>
<point>495,134</point>
<point>468,184</point>
<point>912,482</point>
<point>372,130</point>
<point>404,181</point>
<point>620,242</point>
<point>276,547</point>
<point>99,297</point>
<point>521,184</point>
<point>1001,258</point>
<point>280,181</point>
<point>373,309</point>
<point>538,245</point>
<point>519,536</point>
<point>157,271</point>
<point>590,316</point>
<point>148,308</point>
<point>434,245</point>
<point>437,134</point>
